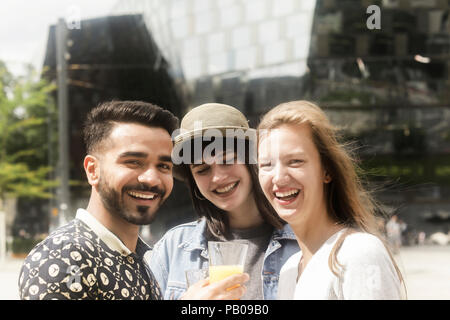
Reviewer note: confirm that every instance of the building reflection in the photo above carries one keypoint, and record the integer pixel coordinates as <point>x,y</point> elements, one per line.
<point>387,88</point>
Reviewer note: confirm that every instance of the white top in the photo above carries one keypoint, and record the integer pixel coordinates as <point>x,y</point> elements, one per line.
<point>367,273</point>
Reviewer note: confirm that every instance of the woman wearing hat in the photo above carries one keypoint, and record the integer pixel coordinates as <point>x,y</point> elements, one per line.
<point>215,155</point>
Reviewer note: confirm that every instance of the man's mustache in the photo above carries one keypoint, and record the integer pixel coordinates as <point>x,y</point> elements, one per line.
<point>145,188</point>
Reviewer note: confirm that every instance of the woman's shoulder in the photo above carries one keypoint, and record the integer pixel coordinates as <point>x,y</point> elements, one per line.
<point>184,227</point>
<point>362,246</point>
<point>369,270</point>
<point>187,232</point>
<point>359,238</point>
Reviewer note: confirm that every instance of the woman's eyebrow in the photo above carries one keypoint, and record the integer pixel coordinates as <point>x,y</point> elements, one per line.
<point>194,165</point>
<point>296,153</point>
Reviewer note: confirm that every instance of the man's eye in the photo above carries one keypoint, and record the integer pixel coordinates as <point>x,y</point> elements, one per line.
<point>166,166</point>
<point>133,162</point>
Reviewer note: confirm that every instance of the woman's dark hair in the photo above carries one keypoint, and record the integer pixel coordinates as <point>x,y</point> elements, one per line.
<point>100,120</point>
<point>216,219</point>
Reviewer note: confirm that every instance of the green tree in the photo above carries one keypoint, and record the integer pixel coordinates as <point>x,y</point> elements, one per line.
<point>26,110</point>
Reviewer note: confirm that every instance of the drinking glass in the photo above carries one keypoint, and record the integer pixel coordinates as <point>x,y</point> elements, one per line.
<point>225,259</point>
<point>195,275</point>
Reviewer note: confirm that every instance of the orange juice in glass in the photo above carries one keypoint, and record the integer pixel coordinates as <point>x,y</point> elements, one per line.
<point>225,259</point>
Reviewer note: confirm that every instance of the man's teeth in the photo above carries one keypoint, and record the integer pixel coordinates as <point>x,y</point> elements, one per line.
<point>142,196</point>
<point>227,188</point>
<point>287,193</point>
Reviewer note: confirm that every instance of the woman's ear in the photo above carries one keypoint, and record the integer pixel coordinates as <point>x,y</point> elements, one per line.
<point>327,178</point>
<point>91,167</point>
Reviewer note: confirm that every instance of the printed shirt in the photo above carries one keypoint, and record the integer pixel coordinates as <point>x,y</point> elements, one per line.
<point>84,260</point>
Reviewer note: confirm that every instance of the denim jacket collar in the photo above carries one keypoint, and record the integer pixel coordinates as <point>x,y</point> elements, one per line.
<point>284,233</point>
<point>198,240</point>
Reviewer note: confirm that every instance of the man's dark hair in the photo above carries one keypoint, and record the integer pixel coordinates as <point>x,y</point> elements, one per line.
<point>100,120</point>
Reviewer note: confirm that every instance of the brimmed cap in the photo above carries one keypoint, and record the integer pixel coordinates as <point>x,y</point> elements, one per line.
<point>210,116</point>
<point>199,120</point>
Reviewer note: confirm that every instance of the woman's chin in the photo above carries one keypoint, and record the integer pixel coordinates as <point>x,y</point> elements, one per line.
<point>286,214</point>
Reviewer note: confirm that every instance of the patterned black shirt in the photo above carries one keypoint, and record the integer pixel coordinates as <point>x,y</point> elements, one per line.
<point>75,263</point>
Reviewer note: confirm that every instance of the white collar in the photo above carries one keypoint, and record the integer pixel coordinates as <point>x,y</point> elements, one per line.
<point>111,240</point>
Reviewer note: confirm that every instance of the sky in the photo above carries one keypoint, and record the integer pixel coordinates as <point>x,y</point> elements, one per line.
<point>24,26</point>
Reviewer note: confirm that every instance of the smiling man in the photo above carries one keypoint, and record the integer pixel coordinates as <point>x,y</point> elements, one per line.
<point>99,254</point>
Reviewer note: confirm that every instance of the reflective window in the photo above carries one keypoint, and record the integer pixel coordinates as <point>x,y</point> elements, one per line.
<point>230,16</point>
<point>241,37</point>
<point>255,10</point>
<point>219,62</point>
<point>178,9</point>
<point>181,27</point>
<point>269,31</point>
<point>308,5</point>
<point>298,24</point>
<point>282,8</point>
<point>216,42</point>
<point>224,3</point>
<point>301,47</point>
<point>275,52</point>
<point>246,58</point>
<point>192,67</point>
<point>192,47</point>
<point>205,22</point>
<point>202,5</point>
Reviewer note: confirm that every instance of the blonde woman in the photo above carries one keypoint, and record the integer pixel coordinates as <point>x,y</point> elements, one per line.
<point>311,182</point>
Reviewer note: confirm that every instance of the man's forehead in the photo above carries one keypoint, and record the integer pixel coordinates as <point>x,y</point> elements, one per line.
<point>122,129</point>
<point>127,132</point>
<point>139,138</point>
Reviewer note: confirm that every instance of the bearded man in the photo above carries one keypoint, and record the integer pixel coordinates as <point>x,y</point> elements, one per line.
<point>99,254</point>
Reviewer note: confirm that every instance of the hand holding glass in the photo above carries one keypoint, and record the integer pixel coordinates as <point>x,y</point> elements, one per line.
<point>195,275</point>
<point>225,259</point>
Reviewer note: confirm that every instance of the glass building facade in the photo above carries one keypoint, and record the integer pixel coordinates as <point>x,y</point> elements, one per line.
<point>387,88</point>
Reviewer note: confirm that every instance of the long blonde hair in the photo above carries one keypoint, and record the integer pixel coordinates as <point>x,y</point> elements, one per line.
<point>347,201</point>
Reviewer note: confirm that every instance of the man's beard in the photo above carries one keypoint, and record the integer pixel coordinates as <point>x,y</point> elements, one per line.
<point>114,203</point>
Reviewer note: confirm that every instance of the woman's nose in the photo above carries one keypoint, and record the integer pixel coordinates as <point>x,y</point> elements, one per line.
<point>219,173</point>
<point>280,175</point>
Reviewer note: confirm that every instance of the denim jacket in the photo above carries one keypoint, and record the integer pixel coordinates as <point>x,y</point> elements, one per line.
<point>185,247</point>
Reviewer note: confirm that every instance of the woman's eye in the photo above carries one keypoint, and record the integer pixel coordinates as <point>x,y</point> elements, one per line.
<point>264,164</point>
<point>229,163</point>
<point>297,161</point>
<point>202,170</point>
<point>230,158</point>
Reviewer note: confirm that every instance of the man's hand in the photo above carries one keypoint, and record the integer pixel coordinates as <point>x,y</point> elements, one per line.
<point>230,288</point>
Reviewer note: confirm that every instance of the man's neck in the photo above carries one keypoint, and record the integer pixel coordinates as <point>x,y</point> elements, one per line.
<point>128,233</point>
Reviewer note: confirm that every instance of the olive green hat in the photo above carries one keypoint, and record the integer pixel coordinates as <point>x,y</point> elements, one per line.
<point>205,117</point>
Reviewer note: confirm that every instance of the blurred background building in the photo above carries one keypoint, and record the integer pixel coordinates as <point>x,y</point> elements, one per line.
<point>388,88</point>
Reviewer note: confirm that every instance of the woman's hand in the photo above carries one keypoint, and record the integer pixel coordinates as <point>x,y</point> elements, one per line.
<point>230,288</point>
